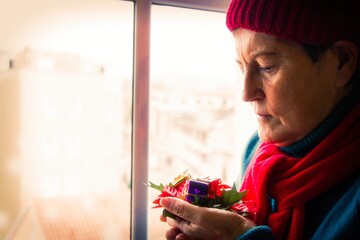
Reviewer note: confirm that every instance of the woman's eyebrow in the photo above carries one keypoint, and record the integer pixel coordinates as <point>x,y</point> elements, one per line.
<point>265,53</point>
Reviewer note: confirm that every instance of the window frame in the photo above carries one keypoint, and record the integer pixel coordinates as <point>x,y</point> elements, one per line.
<point>140,110</point>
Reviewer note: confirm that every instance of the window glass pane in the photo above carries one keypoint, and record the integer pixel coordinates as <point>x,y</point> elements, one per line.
<point>65,119</point>
<point>197,120</point>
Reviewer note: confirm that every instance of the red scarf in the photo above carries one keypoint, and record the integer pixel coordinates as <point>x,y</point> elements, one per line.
<point>292,182</point>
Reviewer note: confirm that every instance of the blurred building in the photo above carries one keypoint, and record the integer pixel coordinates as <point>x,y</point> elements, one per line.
<point>197,126</point>
<point>61,129</point>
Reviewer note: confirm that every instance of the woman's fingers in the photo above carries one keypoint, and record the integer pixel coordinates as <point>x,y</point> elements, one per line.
<point>175,234</point>
<point>204,217</point>
<point>178,207</point>
<point>195,221</point>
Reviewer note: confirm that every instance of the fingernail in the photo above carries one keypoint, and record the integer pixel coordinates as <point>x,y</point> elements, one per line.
<point>180,237</point>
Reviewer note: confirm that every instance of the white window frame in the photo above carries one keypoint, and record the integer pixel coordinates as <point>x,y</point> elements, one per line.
<point>141,83</point>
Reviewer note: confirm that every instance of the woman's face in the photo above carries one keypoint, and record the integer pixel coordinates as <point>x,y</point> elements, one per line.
<point>288,92</point>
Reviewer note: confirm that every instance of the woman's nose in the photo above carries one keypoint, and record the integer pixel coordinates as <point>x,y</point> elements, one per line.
<point>252,87</point>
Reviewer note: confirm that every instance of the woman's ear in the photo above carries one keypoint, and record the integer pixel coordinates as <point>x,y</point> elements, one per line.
<point>347,53</point>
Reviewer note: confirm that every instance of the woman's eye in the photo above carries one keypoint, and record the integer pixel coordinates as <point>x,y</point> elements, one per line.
<point>267,69</point>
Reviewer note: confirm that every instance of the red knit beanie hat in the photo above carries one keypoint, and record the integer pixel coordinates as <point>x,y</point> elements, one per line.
<point>317,22</point>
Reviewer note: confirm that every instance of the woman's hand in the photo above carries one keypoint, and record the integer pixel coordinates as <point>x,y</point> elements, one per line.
<point>195,223</point>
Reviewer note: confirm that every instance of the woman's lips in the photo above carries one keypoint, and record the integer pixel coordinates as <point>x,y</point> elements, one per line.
<point>263,114</point>
<point>263,117</point>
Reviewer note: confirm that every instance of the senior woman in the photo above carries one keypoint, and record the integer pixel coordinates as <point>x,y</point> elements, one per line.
<point>300,73</point>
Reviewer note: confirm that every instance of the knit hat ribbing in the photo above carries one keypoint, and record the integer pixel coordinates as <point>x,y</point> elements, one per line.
<point>318,22</point>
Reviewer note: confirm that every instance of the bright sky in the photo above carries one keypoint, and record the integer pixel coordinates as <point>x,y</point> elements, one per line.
<point>197,41</point>
<point>94,28</point>
<point>102,29</point>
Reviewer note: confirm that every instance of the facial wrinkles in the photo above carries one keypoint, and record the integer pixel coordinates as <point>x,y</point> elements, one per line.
<point>267,107</point>
<point>299,100</point>
<point>249,47</point>
<point>297,97</point>
<point>246,43</point>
